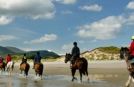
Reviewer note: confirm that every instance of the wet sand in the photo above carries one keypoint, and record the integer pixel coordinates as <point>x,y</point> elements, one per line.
<point>58,74</point>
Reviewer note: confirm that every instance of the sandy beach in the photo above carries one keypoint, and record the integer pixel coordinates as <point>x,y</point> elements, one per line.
<point>58,74</point>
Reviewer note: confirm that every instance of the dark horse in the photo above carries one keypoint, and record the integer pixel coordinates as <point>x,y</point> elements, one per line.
<point>2,66</point>
<point>124,54</point>
<point>25,67</point>
<point>38,67</point>
<point>81,64</point>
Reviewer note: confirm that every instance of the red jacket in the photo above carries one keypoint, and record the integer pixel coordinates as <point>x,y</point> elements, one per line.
<point>8,58</point>
<point>131,49</point>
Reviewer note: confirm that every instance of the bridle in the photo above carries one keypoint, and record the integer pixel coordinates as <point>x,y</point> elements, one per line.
<point>67,57</point>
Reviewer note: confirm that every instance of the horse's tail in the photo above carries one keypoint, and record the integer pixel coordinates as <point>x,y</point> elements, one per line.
<point>41,68</point>
<point>27,68</point>
<point>85,66</point>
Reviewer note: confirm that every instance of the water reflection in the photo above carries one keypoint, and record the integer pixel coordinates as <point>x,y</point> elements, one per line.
<point>98,77</point>
<point>16,80</point>
<point>9,84</point>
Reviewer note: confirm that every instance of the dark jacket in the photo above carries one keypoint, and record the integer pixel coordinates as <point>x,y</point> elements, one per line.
<point>24,59</point>
<point>75,51</point>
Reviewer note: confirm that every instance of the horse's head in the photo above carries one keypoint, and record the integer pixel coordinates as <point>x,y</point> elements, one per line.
<point>67,57</point>
<point>124,53</point>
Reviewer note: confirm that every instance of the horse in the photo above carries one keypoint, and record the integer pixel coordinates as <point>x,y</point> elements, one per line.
<point>2,66</point>
<point>24,67</point>
<point>10,67</point>
<point>124,54</point>
<point>38,67</point>
<point>81,64</point>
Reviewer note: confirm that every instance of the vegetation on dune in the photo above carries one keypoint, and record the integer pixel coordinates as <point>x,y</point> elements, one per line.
<point>110,49</point>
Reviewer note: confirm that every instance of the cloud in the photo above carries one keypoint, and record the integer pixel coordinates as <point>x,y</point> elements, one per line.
<point>93,41</point>
<point>66,12</point>
<point>35,9</point>
<point>81,41</point>
<point>94,7</point>
<point>45,38</point>
<point>67,1</point>
<point>130,20</point>
<point>5,20</point>
<point>7,37</point>
<point>130,5</point>
<point>104,29</point>
<point>68,46</point>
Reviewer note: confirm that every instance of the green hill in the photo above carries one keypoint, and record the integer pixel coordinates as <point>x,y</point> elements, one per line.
<point>16,51</point>
<point>4,51</point>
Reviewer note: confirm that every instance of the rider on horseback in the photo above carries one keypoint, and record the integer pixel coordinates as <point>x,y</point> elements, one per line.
<point>131,51</point>
<point>8,59</point>
<point>75,54</point>
<point>24,59</point>
<point>37,59</point>
<point>1,59</point>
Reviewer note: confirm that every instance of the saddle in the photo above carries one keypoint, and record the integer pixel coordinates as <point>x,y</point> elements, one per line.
<point>23,66</point>
<point>75,58</point>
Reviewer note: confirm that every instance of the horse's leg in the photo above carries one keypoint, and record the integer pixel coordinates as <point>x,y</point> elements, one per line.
<point>10,70</point>
<point>20,71</point>
<point>25,73</point>
<point>80,71</point>
<point>73,73</point>
<point>4,69</point>
<point>128,82</point>
<point>87,74</point>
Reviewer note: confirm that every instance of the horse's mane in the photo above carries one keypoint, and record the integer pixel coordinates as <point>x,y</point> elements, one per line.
<point>68,53</point>
<point>124,48</point>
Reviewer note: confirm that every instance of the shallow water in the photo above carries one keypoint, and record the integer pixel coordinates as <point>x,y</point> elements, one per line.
<point>17,80</point>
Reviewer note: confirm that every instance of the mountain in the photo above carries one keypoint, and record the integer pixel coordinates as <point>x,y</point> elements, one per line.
<point>16,51</point>
<point>43,53</point>
<point>4,51</point>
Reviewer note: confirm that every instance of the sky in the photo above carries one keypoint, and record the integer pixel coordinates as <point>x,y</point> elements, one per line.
<point>55,24</point>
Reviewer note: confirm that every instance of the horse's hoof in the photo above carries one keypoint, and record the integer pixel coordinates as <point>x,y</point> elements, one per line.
<point>75,78</point>
<point>72,80</point>
<point>88,80</point>
<point>127,85</point>
<point>80,81</point>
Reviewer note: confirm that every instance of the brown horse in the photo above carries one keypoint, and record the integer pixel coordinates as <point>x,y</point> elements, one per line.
<point>38,67</point>
<point>25,67</point>
<point>81,64</point>
<point>2,66</point>
<point>124,54</point>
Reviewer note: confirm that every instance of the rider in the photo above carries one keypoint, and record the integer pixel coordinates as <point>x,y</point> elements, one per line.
<point>131,51</point>
<point>24,59</point>
<point>1,59</point>
<point>75,53</point>
<point>37,59</point>
<point>8,59</point>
